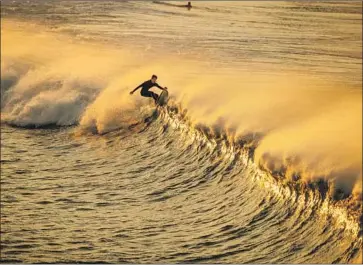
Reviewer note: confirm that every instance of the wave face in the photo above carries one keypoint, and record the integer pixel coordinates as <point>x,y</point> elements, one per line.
<point>255,160</point>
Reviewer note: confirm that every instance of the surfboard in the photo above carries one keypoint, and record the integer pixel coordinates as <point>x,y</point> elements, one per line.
<point>163,98</point>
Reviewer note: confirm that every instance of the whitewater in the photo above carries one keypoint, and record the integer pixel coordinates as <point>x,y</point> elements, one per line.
<point>256,159</point>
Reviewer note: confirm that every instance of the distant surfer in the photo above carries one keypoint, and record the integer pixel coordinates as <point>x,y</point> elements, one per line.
<point>146,86</point>
<point>189,5</point>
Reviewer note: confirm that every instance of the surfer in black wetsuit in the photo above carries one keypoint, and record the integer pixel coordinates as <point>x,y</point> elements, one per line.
<point>146,86</point>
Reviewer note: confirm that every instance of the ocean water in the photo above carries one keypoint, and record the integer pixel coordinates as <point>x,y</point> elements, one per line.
<point>92,174</point>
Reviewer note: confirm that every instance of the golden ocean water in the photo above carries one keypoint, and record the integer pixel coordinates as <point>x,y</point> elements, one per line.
<point>256,159</point>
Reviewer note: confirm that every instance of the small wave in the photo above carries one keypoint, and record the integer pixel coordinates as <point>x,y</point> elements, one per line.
<point>37,100</point>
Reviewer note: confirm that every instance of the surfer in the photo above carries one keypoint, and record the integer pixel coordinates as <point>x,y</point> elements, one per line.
<point>146,86</point>
<point>189,5</point>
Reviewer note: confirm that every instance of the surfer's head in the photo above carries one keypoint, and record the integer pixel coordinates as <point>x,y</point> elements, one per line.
<point>154,78</point>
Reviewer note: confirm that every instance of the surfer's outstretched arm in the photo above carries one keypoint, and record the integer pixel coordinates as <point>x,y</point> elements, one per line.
<point>132,92</point>
<point>162,88</point>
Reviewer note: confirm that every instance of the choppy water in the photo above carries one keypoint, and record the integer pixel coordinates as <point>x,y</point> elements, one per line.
<point>158,190</point>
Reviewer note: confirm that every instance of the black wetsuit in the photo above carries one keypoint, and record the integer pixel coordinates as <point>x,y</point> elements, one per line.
<point>146,86</point>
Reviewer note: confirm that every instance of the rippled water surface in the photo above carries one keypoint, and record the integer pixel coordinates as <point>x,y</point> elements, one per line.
<point>124,198</point>
<point>157,190</point>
